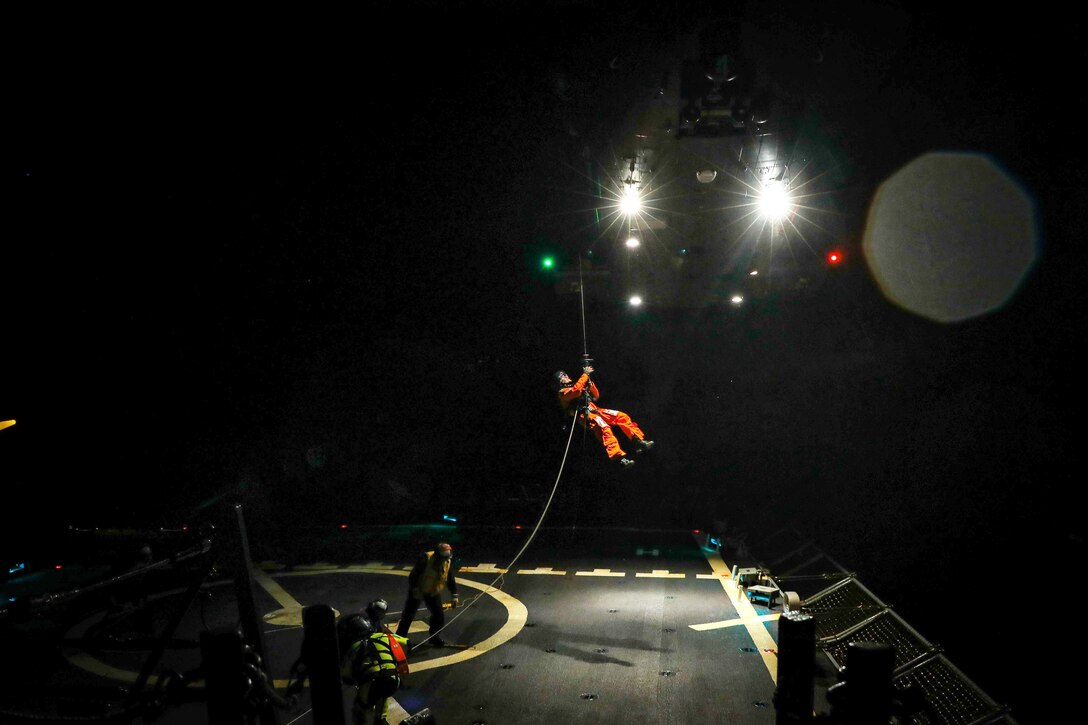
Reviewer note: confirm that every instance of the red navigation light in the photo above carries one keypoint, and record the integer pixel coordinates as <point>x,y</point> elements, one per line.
<point>834,257</point>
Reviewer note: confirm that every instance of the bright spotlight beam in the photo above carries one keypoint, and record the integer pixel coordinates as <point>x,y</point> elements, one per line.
<point>631,202</point>
<point>774,202</point>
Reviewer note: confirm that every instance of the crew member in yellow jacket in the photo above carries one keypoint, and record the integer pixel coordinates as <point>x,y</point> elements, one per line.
<point>432,574</point>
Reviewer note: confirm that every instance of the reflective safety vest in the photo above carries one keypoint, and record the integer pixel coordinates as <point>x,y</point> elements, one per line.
<point>432,581</point>
<point>381,653</point>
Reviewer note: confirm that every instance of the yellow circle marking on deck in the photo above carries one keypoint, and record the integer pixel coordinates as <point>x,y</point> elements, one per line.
<point>289,617</point>
<point>516,616</point>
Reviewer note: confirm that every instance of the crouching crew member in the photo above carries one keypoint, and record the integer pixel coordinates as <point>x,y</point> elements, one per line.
<point>374,661</point>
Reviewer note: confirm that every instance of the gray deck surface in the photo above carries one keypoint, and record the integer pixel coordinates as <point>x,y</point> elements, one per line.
<point>587,625</point>
<point>585,648</point>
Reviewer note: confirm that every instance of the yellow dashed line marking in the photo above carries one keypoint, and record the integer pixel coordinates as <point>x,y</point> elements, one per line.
<point>487,568</point>
<point>481,569</point>
<point>661,574</point>
<point>542,570</point>
<point>375,568</point>
<point>600,572</point>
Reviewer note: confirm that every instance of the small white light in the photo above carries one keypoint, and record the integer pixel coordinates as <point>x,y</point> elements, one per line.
<point>753,273</point>
<point>635,301</point>
<point>632,241</point>
<point>736,299</point>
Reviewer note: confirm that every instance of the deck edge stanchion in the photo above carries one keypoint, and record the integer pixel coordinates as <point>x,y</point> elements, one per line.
<point>794,695</point>
<point>321,654</point>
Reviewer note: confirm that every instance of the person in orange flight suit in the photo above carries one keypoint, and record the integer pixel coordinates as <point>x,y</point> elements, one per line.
<point>583,396</point>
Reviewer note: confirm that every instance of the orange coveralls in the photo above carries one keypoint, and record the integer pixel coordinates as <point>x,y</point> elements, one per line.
<point>600,420</point>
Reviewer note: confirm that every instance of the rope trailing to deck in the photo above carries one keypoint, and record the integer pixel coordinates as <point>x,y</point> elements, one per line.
<point>525,546</point>
<point>555,486</point>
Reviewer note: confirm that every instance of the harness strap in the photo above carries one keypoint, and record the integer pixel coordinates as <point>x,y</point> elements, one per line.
<point>399,655</point>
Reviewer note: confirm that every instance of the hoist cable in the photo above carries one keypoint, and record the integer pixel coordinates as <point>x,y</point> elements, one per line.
<point>529,540</point>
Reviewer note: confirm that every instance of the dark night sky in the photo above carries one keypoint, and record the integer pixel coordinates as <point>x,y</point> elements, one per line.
<point>233,247</point>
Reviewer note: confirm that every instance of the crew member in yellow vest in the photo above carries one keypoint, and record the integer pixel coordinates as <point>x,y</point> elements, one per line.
<point>432,574</point>
<point>374,661</point>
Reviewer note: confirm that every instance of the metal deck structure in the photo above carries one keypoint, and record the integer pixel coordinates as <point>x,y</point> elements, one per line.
<point>590,625</point>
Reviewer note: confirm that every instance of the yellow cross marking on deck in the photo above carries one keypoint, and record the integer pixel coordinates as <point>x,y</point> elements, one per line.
<point>735,622</point>
<point>751,621</point>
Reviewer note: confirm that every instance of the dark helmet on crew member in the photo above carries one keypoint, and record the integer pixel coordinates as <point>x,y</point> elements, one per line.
<point>444,551</point>
<point>560,379</point>
<point>375,611</point>
<point>351,629</point>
